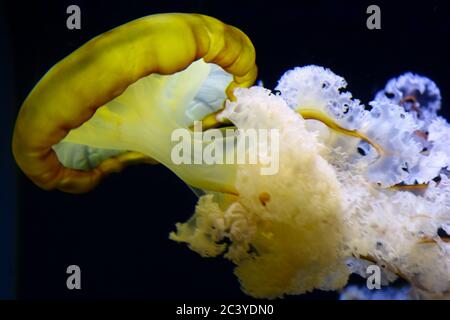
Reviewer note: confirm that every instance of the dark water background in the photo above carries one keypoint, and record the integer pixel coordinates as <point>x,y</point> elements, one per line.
<point>118,234</point>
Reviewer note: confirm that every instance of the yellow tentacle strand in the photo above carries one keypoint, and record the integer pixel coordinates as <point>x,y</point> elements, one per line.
<point>317,115</point>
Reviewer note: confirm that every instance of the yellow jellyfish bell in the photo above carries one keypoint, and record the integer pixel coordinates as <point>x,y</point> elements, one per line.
<point>115,100</point>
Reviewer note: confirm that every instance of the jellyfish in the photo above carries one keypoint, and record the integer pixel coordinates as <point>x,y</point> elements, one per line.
<point>356,185</point>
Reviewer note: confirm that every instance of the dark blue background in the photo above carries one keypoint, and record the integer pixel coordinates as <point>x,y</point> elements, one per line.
<point>118,234</point>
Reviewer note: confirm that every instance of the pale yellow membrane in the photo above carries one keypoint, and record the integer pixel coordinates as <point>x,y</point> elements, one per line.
<point>143,118</point>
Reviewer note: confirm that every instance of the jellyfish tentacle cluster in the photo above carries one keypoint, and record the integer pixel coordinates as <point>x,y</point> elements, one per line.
<point>354,219</point>
<point>358,184</point>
